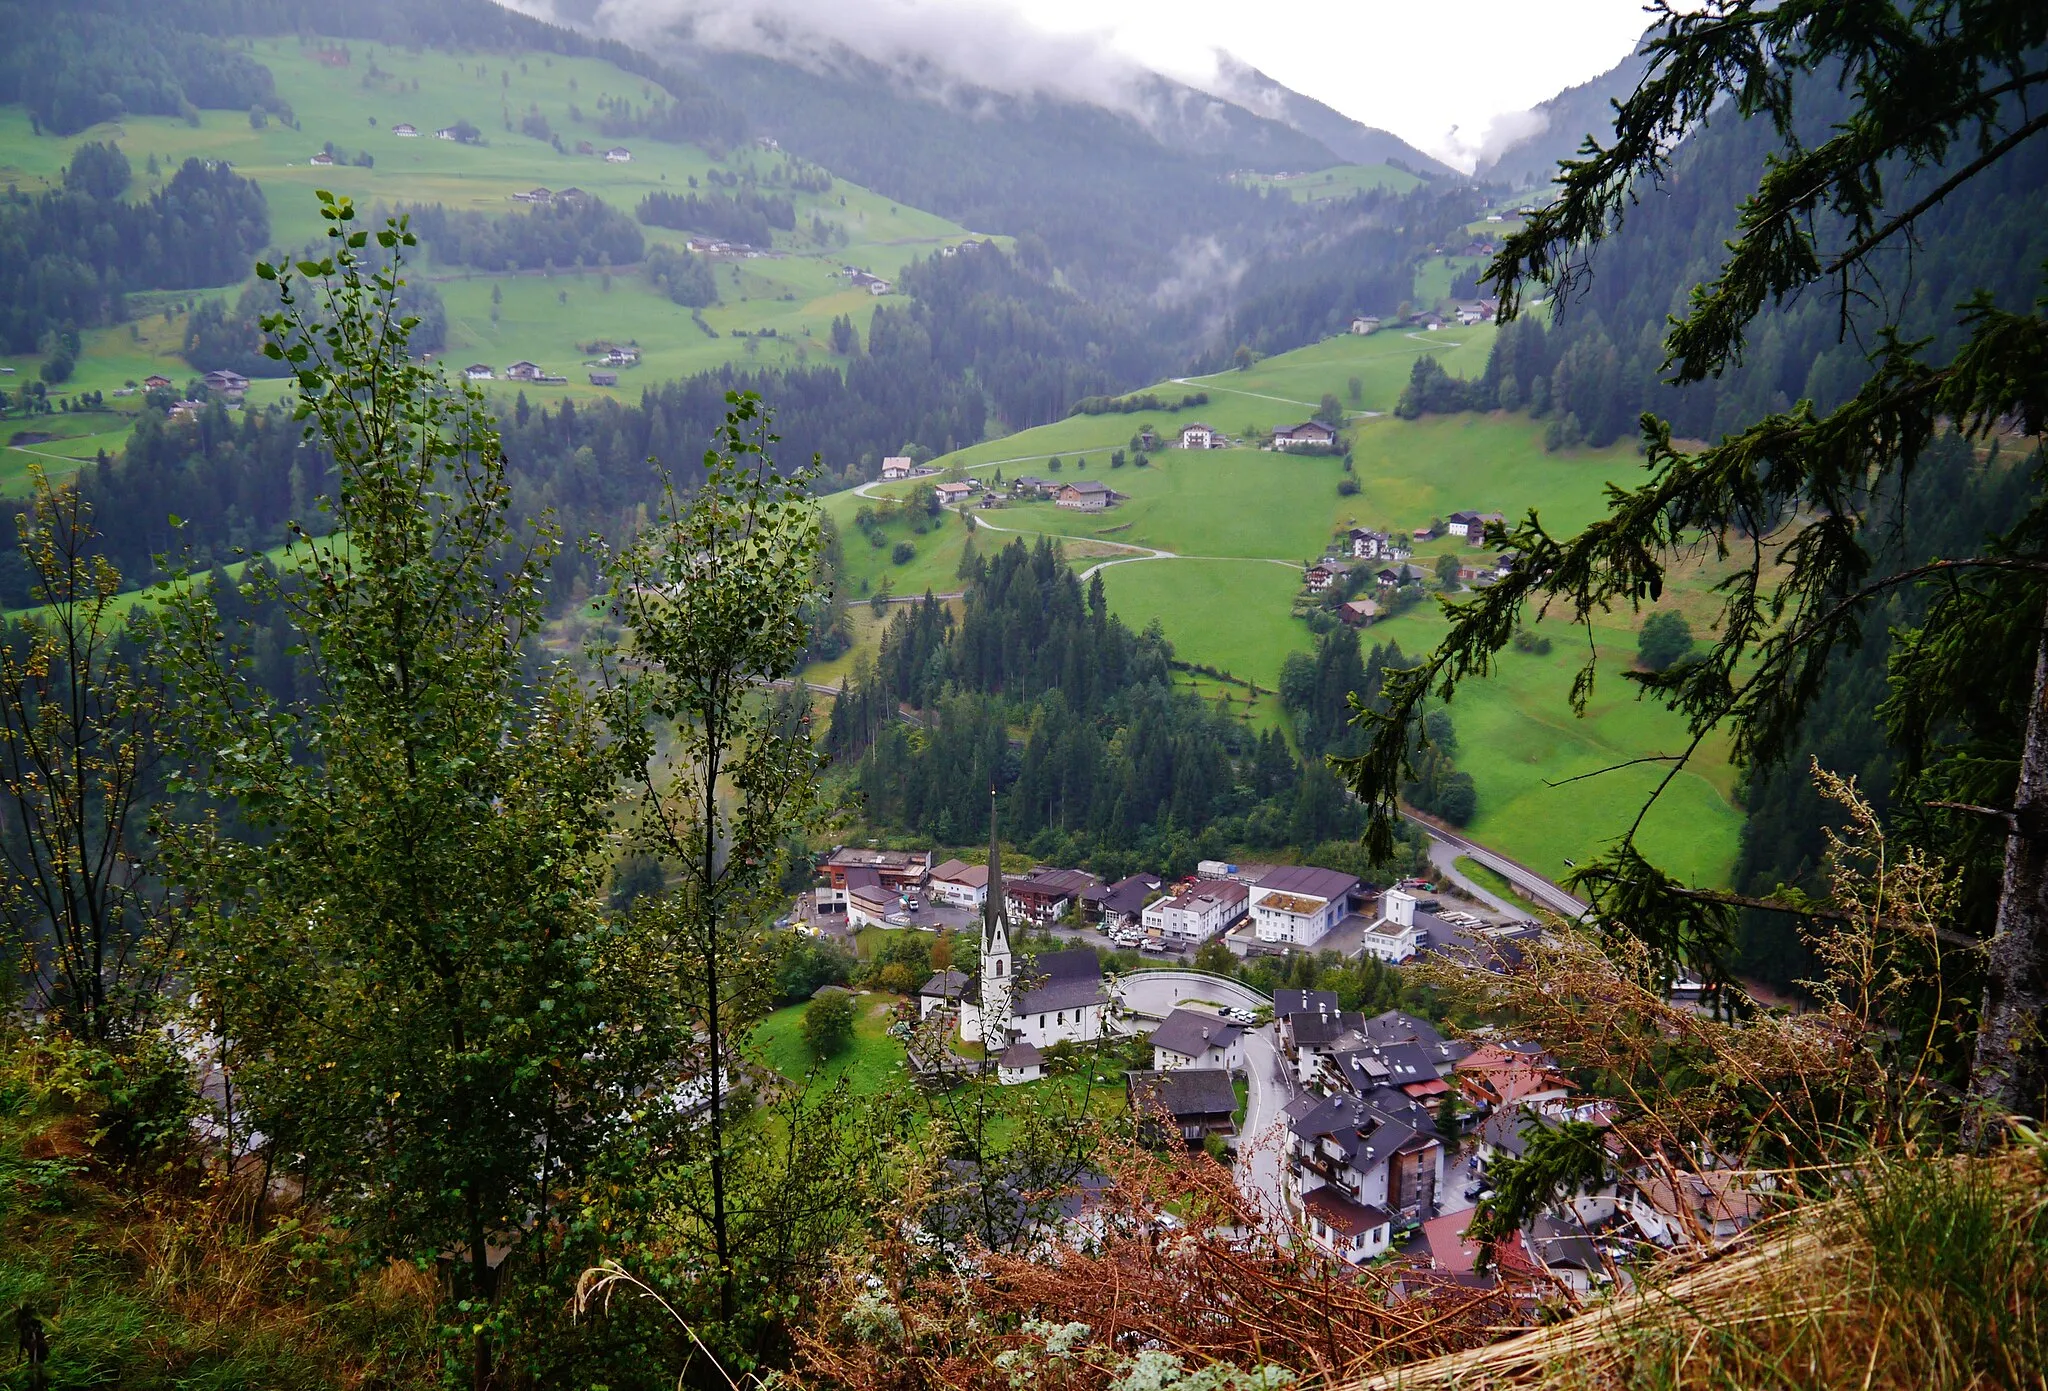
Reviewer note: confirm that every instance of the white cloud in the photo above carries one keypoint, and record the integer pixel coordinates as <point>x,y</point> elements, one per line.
<point>1430,74</point>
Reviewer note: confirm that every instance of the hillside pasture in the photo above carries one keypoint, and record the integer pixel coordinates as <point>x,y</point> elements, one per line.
<point>1338,181</point>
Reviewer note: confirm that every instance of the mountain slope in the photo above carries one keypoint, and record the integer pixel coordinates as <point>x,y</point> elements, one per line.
<point>1561,125</point>
<point>1356,142</point>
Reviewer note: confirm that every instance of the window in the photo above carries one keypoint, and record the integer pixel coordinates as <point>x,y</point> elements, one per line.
<point>1000,963</point>
<point>1063,1016</point>
<point>1041,1021</point>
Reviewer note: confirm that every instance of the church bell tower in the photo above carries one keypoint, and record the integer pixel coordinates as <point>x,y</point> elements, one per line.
<point>996,966</point>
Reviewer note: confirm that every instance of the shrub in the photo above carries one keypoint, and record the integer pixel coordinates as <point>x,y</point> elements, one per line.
<point>828,1025</point>
<point>1665,640</point>
<point>903,553</point>
<point>1347,486</point>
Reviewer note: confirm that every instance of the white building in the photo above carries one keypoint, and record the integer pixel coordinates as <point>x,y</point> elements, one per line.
<point>1197,436</point>
<point>406,130</point>
<point>962,885</point>
<point>1394,937</point>
<point>1192,1038</point>
<point>1200,913</point>
<point>479,372</point>
<point>896,466</point>
<point>618,154</point>
<point>1297,905</point>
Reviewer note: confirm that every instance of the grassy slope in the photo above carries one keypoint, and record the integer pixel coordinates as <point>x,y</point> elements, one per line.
<point>1340,181</point>
<point>540,318</point>
<point>873,1062</point>
<point>1517,733</point>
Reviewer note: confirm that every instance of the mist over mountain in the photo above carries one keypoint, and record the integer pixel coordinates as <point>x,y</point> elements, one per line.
<point>1524,147</point>
<point>1351,140</point>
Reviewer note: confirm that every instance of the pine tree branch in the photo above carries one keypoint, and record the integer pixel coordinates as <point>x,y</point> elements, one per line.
<point>1941,191</point>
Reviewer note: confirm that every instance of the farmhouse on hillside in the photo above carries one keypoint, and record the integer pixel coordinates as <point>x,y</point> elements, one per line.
<point>1198,436</point>
<point>479,372</point>
<point>1085,495</point>
<point>1318,578</point>
<point>323,159</point>
<point>1364,323</point>
<point>406,130</point>
<point>953,493</point>
<point>1309,433</point>
<point>1359,613</point>
<point>618,154</point>
<point>896,466</point>
<point>604,378</point>
<point>156,382</point>
<point>524,371</point>
<point>1471,525</point>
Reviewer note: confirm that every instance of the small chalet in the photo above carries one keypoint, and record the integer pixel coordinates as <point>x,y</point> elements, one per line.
<point>230,384</point>
<point>479,372</point>
<point>534,195</point>
<point>604,378</point>
<point>1084,495</point>
<point>896,466</point>
<point>1193,1038</point>
<point>1020,1063</point>
<point>1045,894</point>
<point>1394,576</point>
<point>1471,525</point>
<point>1198,436</point>
<point>878,286</point>
<point>1121,904</point>
<point>1310,433</point>
<point>406,130</point>
<point>952,494</point>
<point>572,194</point>
<point>943,991</point>
<point>1197,1101</point>
<point>618,154</point>
<point>1359,613</point>
<point>1364,323</point>
<point>156,383</point>
<point>323,159</point>
<point>524,372</point>
<point>1029,486</point>
<point>1370,545</point>
<point>1318,578</point>
<point>621,357</point>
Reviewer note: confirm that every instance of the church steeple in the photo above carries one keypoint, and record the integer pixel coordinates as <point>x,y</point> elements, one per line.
<point>995,943</point>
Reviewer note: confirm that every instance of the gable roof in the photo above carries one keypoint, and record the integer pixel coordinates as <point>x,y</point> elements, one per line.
<point>1340,1214</point>
<point>1184,1091</point>
<point>1192,1033</point>
<point>1086,485</point>
<point>1321,1028</point>
<point>1127,895</point>
<point>1310,881</point>
<point>1021,1055</point>
<point>945,985</point>
<point>1290,1001</point>
<point>1059,980</point>
<point>1396,1027</point>
<point>1364,1134</point>
<point>1059,883</point>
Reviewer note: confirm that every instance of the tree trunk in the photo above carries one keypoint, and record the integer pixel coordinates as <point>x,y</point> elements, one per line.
<point>2010,1071</point>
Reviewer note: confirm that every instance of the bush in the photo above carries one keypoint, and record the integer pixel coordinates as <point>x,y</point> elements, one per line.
<point>1527,640</point>
<point>903,553</point>
<point>812,964</point>
<point>828,1025</point>
<point>1665,640</point>
<point>1347,486</point>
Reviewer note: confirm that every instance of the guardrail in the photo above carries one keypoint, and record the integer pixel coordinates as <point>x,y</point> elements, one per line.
<point>1191,971</point>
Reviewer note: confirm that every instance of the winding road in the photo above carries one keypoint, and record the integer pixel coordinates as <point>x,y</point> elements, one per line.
<point>1261,1145</point>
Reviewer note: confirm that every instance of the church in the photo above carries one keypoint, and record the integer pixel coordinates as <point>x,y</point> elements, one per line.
<point>1057,997</point>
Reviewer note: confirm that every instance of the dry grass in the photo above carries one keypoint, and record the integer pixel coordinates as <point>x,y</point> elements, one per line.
<point>1924,1274</point>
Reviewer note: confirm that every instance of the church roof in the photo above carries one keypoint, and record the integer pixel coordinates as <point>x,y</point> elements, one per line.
<point>1059,980</point>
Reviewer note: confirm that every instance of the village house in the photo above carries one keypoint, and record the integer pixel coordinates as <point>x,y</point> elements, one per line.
<point>1394,937</point>
<point>229,384</point>
<point>1194,916</point>
<point>868,901</point>
<point>1364,323</point>
<point>1392,577</point>
<point>1318,578</point>
<point>1359,613</point>
<point>1020,1063</point>
<point>1366,1159</point>
<point>1493,1077</point>
<point>896,466</point>
<point>1084,495</point>
<point>952,494</point>
<point>1308,433</point>
<point>1194,1038</point>
<point>618,154</point>
<point>156,382</point>
<point>1295,1001</point>
<point>1312,1036</point>
<point>962,885</point>
<point>323,159</point>
<point>1197,436</point>
<point>479,372</point>
<point>1471,525</point>
<point>1030,486</point>
<point>900,870</point>
<point>878,286</point>
<point>943,991</point>
<point>405,130</point>
<point>621,357</point>
<point>1121,904</point>
<point>1352,1232</point>
<point>1045,894</point>
<point>524,371</point>
<point>604,378</point>
<point>1197,1101</point>
<point>534,195</point>
<point>1297,905</point>
<point>1370,545</point>
<point>1672,1208</point>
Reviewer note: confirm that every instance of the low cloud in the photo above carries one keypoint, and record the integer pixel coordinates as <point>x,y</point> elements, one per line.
<point>934,46</point>
<point>1502,134</point>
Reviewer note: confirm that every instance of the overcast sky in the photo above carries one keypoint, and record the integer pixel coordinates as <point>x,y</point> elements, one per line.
<point>1435,72</point>
<point>1419,68</point>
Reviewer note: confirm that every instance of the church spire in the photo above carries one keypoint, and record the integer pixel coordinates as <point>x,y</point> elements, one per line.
<point>996,981</point>
<point>995,920</point>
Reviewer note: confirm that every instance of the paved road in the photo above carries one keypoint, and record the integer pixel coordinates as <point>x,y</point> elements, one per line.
<point>1526,880</point>
<point>1260,1175</point>
<point>1443,857</point>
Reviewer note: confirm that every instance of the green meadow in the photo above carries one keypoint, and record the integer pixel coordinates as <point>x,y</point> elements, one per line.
<point>1240,523</point>
<point>1339,181</point>
<point>873,1063</point>
<point>794,293</point>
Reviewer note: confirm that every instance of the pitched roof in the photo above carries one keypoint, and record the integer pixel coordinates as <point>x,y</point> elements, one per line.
<point>1087,485</point>
<point>1021,1055</point>
<point>1059,883</point>
<point>1060,980</point>
<point>1396,1027</point>
<point>1311,881</point>
<point>1365,1134</point>
<point>1286,1002</point>
<point>945,985</point>
<point>1321,1028</point>
<point>1340,1214</point>
<point>1185,1091</point>
<point>1127,895</point>
<point>1191,1033</point>
<point>1445,1239</point>
<point>959,872</point>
